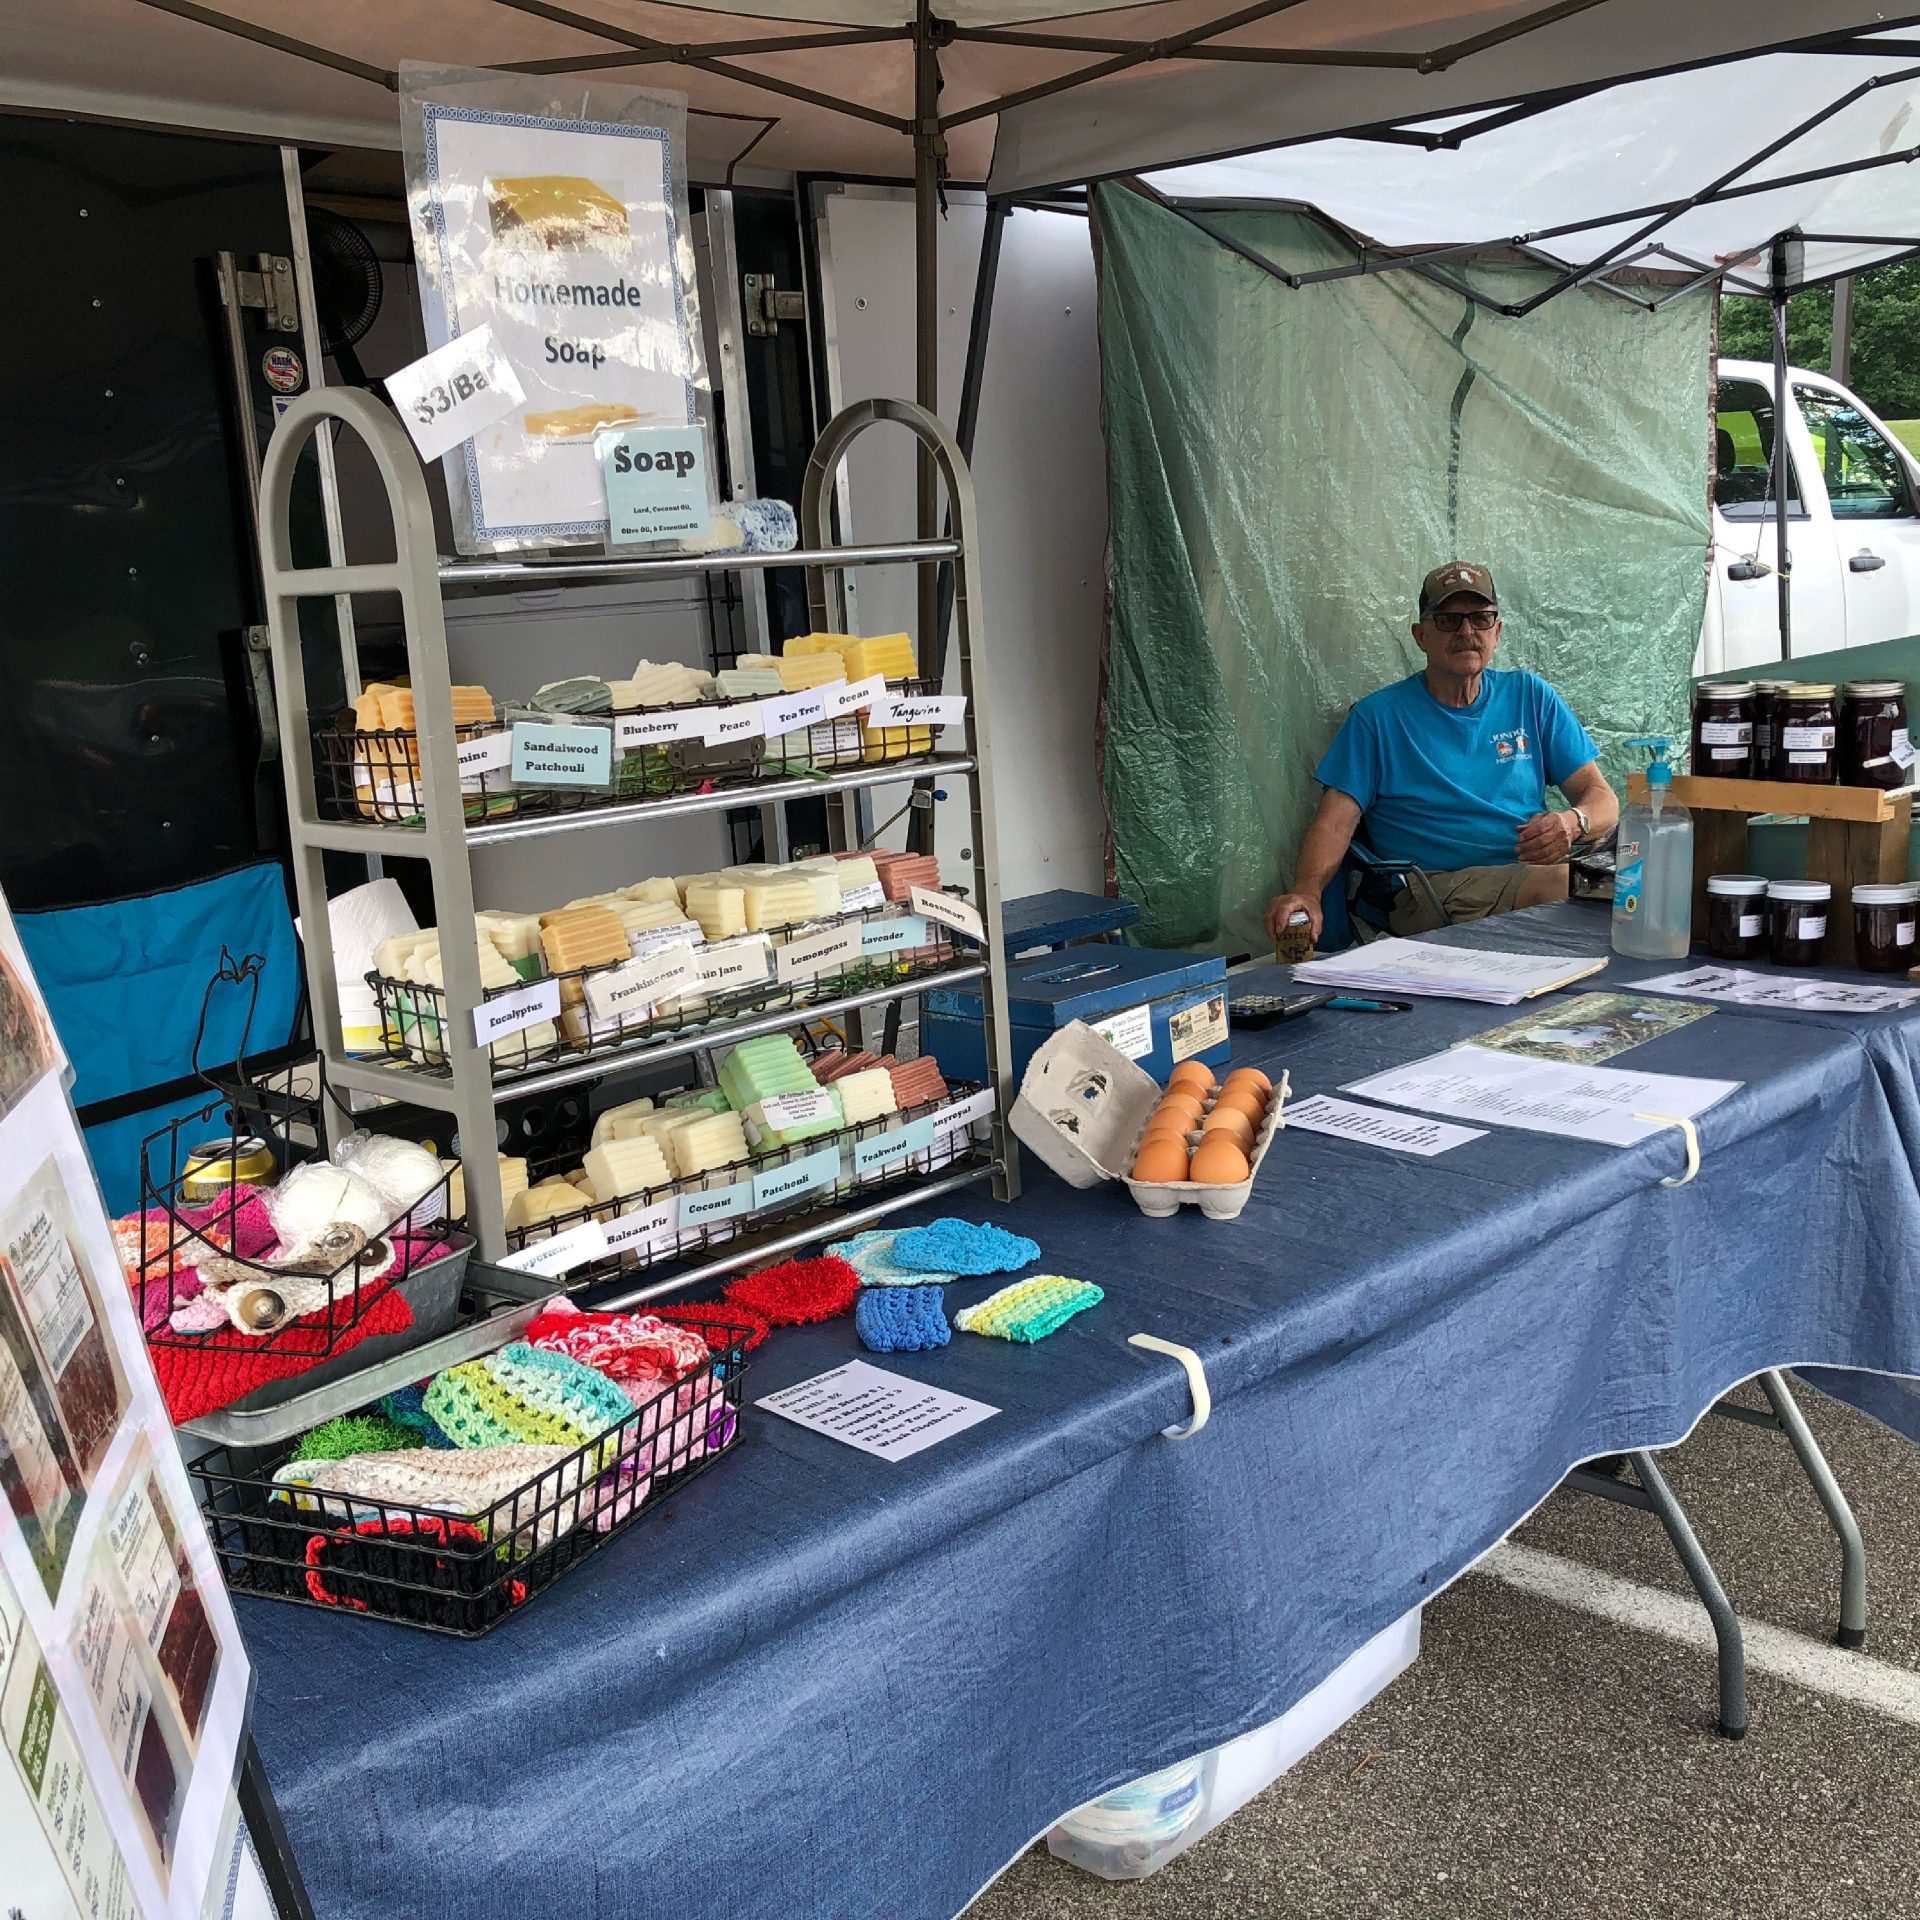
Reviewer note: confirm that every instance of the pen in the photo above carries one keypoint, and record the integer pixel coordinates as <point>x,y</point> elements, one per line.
<point>1344,1004</point>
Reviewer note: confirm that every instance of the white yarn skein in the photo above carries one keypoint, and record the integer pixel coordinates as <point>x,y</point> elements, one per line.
<point>313,1196</point>
<point>402,1172</point>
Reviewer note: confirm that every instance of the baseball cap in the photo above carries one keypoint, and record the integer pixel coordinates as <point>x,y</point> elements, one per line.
<point>1457,576</point>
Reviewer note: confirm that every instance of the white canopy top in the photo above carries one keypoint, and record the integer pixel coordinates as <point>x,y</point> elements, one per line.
<point>1635,148</point>
<point>1155,84</point>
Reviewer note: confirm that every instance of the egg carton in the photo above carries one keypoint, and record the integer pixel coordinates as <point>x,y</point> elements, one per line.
<point>1083,1107</point>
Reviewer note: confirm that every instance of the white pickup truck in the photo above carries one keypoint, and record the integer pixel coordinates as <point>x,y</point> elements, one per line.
<point>1853,524</point>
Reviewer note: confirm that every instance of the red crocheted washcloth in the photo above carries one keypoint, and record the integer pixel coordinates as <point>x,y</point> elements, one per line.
<point>623,1346</point>
<point>797,1292</point>
<point>197,1379</point>
<point>720,1322</point>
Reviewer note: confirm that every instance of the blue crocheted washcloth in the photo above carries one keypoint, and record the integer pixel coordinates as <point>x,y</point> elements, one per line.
<point>960,1247</point>
<point>870,1255</point>
<point>902,1319</point>
<point>405,1409</point>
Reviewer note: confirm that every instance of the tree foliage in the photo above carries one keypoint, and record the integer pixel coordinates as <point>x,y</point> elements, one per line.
<point>1886,335</point>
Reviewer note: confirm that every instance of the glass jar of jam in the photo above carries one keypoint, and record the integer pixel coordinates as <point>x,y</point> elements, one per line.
<point>1885,919</point>
<point>1723,729</point>
<point>1766,717</point>
<point>1797,921</point>
<point>1737,916</point>
<point>1874,748</point>
<point>1806,737</point>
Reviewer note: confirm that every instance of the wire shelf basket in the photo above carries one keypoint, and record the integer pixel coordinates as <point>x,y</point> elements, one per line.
<point>196,1255</point>
<point>464,1571</point>
<point>374,774</point>
<point>657,1225</point>
<point>414,1018</point>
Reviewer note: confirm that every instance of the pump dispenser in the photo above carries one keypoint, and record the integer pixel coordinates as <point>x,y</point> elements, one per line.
<point>1653,870</point>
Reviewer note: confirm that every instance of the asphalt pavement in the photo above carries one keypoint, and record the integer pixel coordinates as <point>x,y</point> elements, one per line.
<point>1552,1752</point>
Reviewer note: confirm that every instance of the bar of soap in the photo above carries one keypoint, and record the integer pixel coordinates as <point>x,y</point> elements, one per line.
<point>550,1200</point>
<point>817,643</point>
<point>581,937</point>
<point>777,903</point>
<point>891,656</point>
<point>856,871</point>
<point>667,683</point>
<point>707,1143</point>
<point>746,683</point>
<point>513,1181</point>
<point>827,882</point>
<point>620,1168</point>
<point>621,1122</point>
<point>583,693</point>
<point>866,1095</point>
<point>516,937</point>
<point>721,911</point>
<point>801,672</point>
<point>472,707</point>
<point>661,888</point>
<point>917,1082</point>
<point>429,968</point>
<point>390,957</point>
<point>650,916</point>
<point>758,1069</point>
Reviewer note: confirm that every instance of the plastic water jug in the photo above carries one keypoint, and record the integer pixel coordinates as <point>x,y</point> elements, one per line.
<point>1126,1834</point>
<point>1653,870</point>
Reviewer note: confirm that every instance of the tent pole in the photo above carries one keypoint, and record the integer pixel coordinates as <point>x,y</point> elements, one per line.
<point>1783,559</point>
<point>929,148</point>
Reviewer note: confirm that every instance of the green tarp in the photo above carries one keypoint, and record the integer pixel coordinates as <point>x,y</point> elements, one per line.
<point>1284,466</point>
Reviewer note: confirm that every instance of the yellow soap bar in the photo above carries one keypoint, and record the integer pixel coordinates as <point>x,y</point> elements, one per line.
<point>801,671</point>
<point>579,937</point>
<point>721,910</point>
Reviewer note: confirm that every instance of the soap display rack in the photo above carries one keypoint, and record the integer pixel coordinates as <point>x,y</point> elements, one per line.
<point>414,1018</point>
<point>373,773</point>
<point>466,1088</point>
<point>942,1155</point>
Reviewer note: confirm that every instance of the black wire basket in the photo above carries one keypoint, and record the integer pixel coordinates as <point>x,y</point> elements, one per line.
<point>861,1174</point>
<point>463,1572</point>
<point>198,1238</point>
<point>414,1017</point>
<point>374,774</point>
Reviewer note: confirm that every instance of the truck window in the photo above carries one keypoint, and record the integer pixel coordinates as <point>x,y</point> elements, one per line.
<point>1743,448</point>
<point>1861,469</point>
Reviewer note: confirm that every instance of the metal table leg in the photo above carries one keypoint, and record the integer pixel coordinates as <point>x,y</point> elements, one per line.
<point>1852,1631</point>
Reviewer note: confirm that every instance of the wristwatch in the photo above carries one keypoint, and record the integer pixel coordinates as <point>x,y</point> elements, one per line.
<point>1586,825</point>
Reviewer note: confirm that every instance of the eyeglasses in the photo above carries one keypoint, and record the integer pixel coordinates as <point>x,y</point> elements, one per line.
<point>1483,620</point>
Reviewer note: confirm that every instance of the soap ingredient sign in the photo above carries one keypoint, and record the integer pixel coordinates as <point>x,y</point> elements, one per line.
<point>658,483</point>
<point>567,238</point>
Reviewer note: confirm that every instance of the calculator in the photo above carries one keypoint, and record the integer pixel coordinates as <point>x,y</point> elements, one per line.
<point>1263,1009</point>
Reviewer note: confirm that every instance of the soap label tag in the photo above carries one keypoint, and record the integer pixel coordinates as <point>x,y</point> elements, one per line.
<point>960,1117</point>
<point>816,953</point>
<point>846,697</point>
<point>548,755</point>
<point>563,1252</point>
<point>887,1149</point>
<point>950,912</point>
<point>491,753</point>
<point>449,394</point>
<point>646,940</point>
<point>744,961</point>
<point>727,724</point>
<point>634,988</point>
<point>863,899</point>
<point>645,1230</point>
<point>893,933</point>
<point>509,1012</point>
<point>702,1209</point>
<point>798,1109</point>
<point>918,710</point>
<point>652,729</point>
<point>792,711</point>
<point>810,1174</point>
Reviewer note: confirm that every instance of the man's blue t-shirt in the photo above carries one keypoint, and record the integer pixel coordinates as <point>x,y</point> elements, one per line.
<point>1451,787</point>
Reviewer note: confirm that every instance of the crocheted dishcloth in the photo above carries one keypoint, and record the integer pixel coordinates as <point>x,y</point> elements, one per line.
<point>624,1346</point>
<point>441,1529</point>
<point>721,1323</point>
<point>356,1433</point>
<point>522,1394</point>
<point>406,1408</point>
<point>543,1483</point>
<point>1029,1309</point>
<point>960,1247</point>
<point>902,1319</point>
<point>797,1292</point>
<point>870,1255</point>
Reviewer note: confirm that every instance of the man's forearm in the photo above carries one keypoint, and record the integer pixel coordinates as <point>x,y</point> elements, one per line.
<point>1322,849</point>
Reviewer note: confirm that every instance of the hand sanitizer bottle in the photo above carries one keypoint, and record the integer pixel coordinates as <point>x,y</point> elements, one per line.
<point>1653,870</point>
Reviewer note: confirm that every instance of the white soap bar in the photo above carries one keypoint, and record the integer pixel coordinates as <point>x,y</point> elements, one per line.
<point>866,1095</point>
<point>621,1123</point>
<point>623,1167</point>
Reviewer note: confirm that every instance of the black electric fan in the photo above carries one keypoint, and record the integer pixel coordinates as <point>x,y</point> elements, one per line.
<point>346,288</point>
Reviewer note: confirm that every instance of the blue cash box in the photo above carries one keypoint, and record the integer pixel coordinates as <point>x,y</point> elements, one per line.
<point>1158,1008</point>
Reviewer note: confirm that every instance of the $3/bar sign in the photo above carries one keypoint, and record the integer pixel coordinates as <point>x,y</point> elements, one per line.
<point>453,392</point>
<point>507,1013</point>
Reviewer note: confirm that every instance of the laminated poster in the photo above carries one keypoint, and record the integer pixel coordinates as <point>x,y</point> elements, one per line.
<point>561,226</point>
<point>123,1680</point>
<point>1590,1028</point>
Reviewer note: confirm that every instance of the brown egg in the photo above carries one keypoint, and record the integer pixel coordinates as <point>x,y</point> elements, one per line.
<point>1218,1161</point>
<point>1161,1157</point>
<point>1181,1101</point>
<point>1230,1121</point>
<point>1249,1076</point>
<point>1168,1127</point>
<point>1191,1073</point>
<point>1245,1099</point>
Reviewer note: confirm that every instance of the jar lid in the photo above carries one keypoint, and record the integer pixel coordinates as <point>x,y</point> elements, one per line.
<point>1806,690</point>
<point>1775,686</point>
<point>1724,689</point>
<point>1740,883</point>
<point>1799,890</point>
<point>1887,893</point>
<point>1873,689</point>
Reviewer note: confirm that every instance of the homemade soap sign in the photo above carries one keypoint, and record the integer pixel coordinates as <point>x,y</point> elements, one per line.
<point>123,1679</point>
<point>659,483</point>
<point>567,239</point>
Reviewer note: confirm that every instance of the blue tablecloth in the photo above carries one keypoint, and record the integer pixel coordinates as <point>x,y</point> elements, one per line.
<point>818,1684</point>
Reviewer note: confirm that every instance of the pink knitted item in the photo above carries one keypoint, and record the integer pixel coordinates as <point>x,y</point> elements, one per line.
<point>636,1347</point>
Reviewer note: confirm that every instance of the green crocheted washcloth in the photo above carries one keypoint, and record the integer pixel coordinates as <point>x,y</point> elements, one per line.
<point>351,1433</point>
<point>1029,1310</point>
<point>524,1394</point>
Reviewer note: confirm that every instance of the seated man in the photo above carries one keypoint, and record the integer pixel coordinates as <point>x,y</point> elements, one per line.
<point>1450,768</point>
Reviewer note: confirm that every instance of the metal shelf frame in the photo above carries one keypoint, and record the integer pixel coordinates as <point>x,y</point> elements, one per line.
<point>420,576</point>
